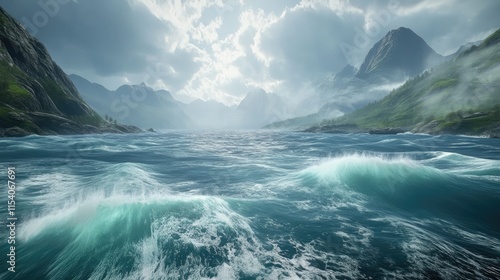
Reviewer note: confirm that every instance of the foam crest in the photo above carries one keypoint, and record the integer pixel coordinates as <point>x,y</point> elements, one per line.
<point>128,177</point>
<point>168,236</point>
<point>51,189</point>
<point>79,212</point>
<point>62,190</point>
<point>465,165</point>
<point>366,172</point>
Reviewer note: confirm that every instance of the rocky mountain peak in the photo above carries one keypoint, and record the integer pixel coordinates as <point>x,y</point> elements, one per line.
<point>399,54</point>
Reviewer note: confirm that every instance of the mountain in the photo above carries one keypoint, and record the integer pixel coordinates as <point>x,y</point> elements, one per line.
<point>460,96</point>
<point>210,114</point>
<point>142,106</point>
<point>100,95</point>
<point>258,109</point>
<point>463,48</point>
<point>334,96</point>
<point>36,96</point>
<point>348,71</point>
<point>400,53</point>
<point>139,105</point>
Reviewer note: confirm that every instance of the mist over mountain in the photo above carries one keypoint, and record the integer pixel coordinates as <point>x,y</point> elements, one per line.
<point>259,108</point>
<point>348,71</point>
<point>209,114</point>
<point>460,96</point>
<point>100,96</point>
<point>399,55</point>
<point>464,48</point>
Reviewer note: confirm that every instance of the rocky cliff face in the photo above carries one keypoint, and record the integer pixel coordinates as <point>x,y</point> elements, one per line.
<point>400,54</point>
<point>36,96</point>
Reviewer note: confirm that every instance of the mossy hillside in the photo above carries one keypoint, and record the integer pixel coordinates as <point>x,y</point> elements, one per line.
<point>494,38</point>
<point>7,119</point>
<point>4,111</point>
<point>2,19</point>
<point>444,83</point>
<point>69,105</point>
<point>11,92</point>
<point>468,122</point>
<point>15,95</point>
<point>35,94</point>
<point>94,120</point>
<point>469,83</point>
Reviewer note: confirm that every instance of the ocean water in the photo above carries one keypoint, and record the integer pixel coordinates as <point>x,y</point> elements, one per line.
<point>253,205</point>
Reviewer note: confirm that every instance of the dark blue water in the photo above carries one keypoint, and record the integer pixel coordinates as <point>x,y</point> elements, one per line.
<point>253,205</point>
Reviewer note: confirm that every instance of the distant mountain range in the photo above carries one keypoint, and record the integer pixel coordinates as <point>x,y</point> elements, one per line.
<point>138,105</point>
<point>209,114</point>
<point>259,108</point>
<point>36,96</point>
<point>142,106</point>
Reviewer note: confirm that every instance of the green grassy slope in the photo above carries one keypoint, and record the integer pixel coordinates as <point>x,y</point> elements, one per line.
<point>36,96</point>
<point>461,95</point>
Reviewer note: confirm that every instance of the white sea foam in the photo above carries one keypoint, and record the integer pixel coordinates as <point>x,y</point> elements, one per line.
<point>430,251</point>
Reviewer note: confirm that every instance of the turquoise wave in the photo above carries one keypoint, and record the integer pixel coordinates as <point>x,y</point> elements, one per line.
<point>409,185</point>
<point>129,237</point>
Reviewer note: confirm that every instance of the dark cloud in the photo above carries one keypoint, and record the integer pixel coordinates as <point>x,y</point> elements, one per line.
<point>306,43</point>
<point>106,38</point>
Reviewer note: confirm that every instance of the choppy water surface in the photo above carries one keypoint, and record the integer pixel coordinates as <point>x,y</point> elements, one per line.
<point>254,205</point>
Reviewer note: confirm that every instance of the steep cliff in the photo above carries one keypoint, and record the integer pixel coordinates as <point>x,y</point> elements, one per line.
<point>36,96</point>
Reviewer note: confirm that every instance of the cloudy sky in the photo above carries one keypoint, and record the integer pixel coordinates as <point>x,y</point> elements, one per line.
<point>221,49</point>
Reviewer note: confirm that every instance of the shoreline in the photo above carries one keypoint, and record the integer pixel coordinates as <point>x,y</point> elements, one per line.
<point>353,129</point>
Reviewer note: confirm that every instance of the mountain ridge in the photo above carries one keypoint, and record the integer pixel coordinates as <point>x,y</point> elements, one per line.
<point>256,109</point>
<point>139,105</point>
<point>400,53</point>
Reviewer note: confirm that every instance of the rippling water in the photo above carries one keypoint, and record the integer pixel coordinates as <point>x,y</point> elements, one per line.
<point>254,205</point>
